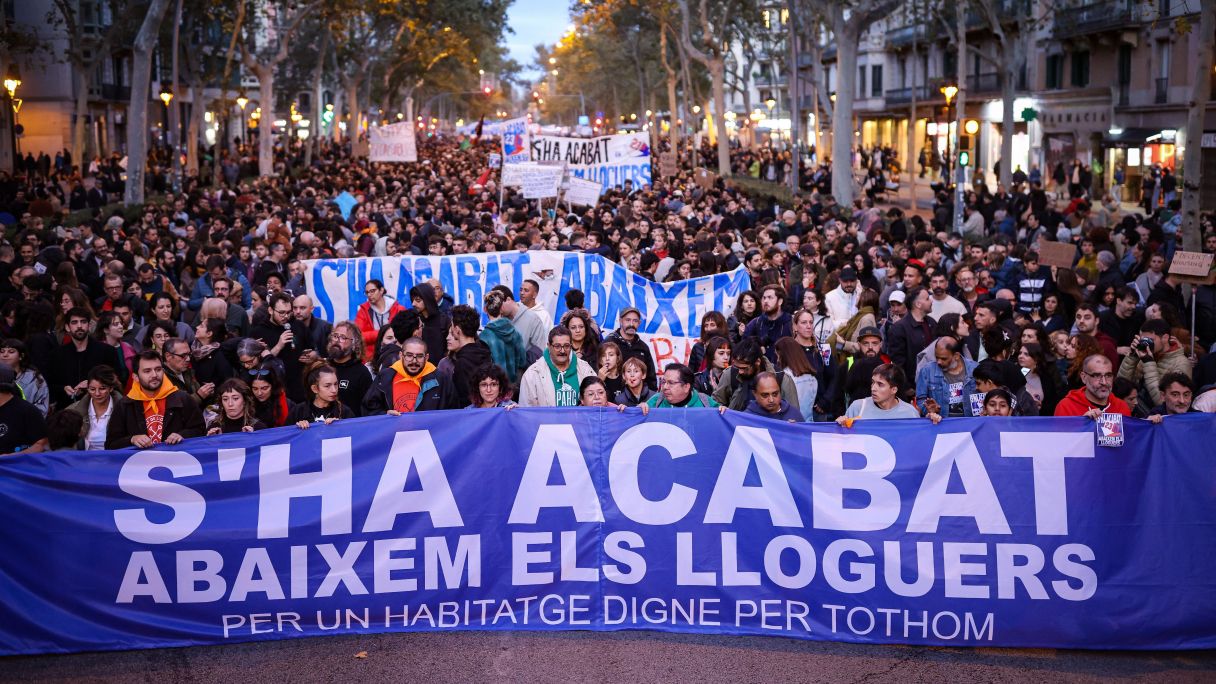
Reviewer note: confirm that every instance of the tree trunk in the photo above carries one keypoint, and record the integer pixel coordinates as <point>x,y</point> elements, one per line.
<point>1008,122</point>
<point>409,106</point>
<point>175,107</point>
<point>961,112</point>
<point>794,107</point>
<point>194,126</point>
<point>842,117</point>
<point>717,72</point>
<point>137,111</point>
<point>672,104</point>
<point>265,76</point>
<point>314,140</point>
<point>1200,94</point>
<point>335,130</point>
<point>352,105</point>
<point>84,79</point>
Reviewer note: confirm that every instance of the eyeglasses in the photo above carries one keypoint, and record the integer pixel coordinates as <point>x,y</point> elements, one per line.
<point>561,347</point>
<point>488,384</point>
<point>1100,376</point>
<point>341,338</point>
<point>413,357</point>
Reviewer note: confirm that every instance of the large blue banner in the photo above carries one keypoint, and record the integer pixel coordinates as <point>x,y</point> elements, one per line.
<point>987,531</point>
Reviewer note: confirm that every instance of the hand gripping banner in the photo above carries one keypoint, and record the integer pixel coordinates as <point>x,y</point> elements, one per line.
<point>978,532</point>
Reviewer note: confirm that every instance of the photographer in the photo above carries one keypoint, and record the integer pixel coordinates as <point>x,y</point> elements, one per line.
<point>1154,353</point>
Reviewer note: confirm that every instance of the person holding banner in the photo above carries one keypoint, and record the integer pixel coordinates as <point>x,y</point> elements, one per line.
<point>555,378</point>
<point>323,405</point>
<point>490,388</point>
<point>632,346</point>
<point>410,384</point>
<point>884,402</point>
<point>154,411</point>
<point>678,392</point>
<point>236,409</point>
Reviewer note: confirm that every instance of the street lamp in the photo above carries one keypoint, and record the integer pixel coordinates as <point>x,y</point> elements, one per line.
<point>166,95</point>
<point>12,81</point>
<point>242,101</point>
<point>553,60</point>
<point>949,91</point>
<point>770,103</point>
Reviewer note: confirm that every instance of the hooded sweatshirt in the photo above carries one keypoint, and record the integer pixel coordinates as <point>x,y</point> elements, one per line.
<point>154,407</point>
<point>565,383</point>
<point>435,323</point>
<point>407,387</point>
<point>466,360</point>
<point>506,347</point>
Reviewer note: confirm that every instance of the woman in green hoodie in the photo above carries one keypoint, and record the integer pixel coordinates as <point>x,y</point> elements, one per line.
<point>506,345</point>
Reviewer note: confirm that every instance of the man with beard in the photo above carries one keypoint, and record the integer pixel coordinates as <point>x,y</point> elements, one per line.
<point>345,352</point>
<point>861,366</point>
<point>943,303</point>
<point>154,411</point>
<point>281,335</point>
<point>737,386</point>
<point>466,352</point>
<point>411,384</point>
<point>912,333</point>
<point>768,401</point>
<point>71,362</point>
<point>772,324</point>
<point>968,293</point>
<point>626,337</point>
<point>555,378</point>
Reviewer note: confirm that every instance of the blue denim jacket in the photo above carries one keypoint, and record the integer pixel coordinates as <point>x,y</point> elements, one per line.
<point>931,384</point>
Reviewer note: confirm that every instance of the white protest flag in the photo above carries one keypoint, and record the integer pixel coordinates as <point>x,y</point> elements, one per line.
<point>392,143</point>
<point>583,193</point>
<point>540,182</point>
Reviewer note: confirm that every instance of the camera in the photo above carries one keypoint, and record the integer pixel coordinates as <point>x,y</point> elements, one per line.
<point>1144,344</point>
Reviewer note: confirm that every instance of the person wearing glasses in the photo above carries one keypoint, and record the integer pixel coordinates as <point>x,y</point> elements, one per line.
<point>1094,397</point>
<point>270,403</point>
<point>374,314</point>
<point>555,378</point>
<point>677,391</point>
<point>345,351</point>
<point>409,385</point>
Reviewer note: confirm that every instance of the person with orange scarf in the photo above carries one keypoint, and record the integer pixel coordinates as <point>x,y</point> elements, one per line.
<point>154,411</point>
<point>409,385</point>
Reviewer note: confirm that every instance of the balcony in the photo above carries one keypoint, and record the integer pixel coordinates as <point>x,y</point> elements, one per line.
<point>1095,17</point>
<point>903,36</point>
<point>984,83</point>
<point>767,81</point>
<point>1163,91</point>
<point>901,96</point>
<point>109,91</point>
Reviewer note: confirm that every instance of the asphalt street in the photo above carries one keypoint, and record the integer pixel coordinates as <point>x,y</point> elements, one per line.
<point>602,657</point>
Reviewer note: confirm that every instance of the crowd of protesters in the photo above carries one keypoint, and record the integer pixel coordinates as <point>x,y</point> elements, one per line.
<point>191,318</point>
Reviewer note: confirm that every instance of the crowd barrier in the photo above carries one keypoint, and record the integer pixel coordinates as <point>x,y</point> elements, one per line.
<point>1015,532</point>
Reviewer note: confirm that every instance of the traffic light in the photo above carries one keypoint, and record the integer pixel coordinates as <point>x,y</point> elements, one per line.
<point>966,141</point>
<point>487,90</point>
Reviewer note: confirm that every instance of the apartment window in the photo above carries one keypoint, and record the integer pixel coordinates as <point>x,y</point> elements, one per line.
<point>861,81</point>
<point>924,69</point>
<point>950,64</point>
<point>1080,69</point>
<point>876,80</point>
<point>1125,64</point>
<point>1055,72</point>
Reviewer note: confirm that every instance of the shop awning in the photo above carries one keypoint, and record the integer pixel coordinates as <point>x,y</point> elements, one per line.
<point>1128,137</point>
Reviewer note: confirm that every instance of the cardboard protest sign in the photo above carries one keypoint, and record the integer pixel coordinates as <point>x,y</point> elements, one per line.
<point>393,143</point>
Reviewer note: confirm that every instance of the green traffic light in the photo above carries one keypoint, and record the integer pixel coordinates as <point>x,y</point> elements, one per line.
<point>964,158</point>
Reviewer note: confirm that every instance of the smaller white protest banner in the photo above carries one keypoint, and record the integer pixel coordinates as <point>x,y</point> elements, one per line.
<point>513,174</point>
<point>584,193</point>
<point>540,182</point>
<point>495,161</point>
<point>393,143</point>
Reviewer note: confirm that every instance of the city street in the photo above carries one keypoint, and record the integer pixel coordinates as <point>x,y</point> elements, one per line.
<point>594,657</point>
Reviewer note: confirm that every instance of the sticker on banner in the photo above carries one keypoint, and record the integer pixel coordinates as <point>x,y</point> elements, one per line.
<point>1110,430</point>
